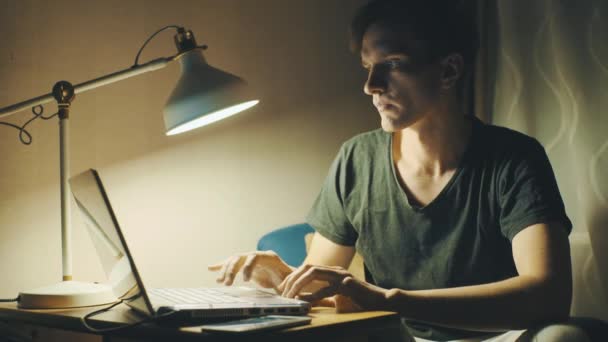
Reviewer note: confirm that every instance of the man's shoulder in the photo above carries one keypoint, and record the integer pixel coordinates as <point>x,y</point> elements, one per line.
<point>367,141</point>
<point>366,151</point>
<point>502,149</point>
<point>504,140</point>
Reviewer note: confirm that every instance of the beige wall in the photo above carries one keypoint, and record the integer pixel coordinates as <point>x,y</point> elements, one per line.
<point>187,200</point>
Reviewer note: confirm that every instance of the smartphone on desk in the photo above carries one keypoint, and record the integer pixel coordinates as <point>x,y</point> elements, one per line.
<point>256,324</point>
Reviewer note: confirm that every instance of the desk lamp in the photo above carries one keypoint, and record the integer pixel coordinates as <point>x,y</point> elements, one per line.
<point>202,96</point>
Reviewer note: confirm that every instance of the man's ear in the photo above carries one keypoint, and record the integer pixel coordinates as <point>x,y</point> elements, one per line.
<point>452,67</point>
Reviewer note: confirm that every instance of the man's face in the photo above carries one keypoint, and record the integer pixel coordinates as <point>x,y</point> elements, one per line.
<point>404,86</point>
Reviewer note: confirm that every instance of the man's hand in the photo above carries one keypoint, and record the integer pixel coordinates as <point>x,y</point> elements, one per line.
<point>265,268</point>
<point>341,303</point>
<point>337,281</point>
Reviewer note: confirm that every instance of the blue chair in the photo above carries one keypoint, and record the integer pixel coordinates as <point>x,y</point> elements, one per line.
<point>287,242</point>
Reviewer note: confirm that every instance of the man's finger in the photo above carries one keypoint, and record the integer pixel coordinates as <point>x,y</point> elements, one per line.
<point>322,293</point>
<point>361,286</point>
<point>224,270</point>
<point>326,302</point>
<point>222,273</point>
<point>299,281</point>
<point>315,274</point>
<point>287,283</point>
<point>352,287</point>
<point>311,277</point>
<point>248,266</point>
<point>232,269</point>
<point>364,294</point>
<point>215,267</point>
<point>345,304</point>
<point>281,286</point>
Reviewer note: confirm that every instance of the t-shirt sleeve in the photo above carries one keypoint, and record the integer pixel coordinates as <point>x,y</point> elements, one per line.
<point>327,215</point>
<point>528,192</point>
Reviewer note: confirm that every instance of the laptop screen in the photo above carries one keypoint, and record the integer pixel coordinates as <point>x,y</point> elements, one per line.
<point>102,226</point>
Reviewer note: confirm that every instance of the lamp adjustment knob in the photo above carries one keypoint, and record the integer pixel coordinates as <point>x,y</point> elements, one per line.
<point>63,92</point>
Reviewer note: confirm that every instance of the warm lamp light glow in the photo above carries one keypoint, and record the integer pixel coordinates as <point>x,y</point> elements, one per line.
<point>203,95</point>
<point>212,117</point>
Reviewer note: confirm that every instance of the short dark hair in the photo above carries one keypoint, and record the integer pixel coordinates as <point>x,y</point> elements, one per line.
<point>442,26</point>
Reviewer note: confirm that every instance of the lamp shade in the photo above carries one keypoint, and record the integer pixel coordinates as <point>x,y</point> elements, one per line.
<point>204,95</point>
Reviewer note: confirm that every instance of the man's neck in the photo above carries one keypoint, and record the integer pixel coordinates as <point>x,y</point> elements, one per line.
<point>434,145</point>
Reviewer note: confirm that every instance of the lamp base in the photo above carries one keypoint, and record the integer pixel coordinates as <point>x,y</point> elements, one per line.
<point>66,294</point>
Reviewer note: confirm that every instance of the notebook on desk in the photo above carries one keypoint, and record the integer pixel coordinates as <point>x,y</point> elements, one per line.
<point>189,304</point>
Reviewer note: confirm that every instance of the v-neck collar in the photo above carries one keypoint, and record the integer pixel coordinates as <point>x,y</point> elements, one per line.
<point>450,184</point>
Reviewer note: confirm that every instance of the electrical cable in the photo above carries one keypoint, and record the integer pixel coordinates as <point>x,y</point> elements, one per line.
<point>131,325</point>
<point>37,111</point>
<point>149,39</point>
<point>88,325</point>
<point>26,138</point>
<point>3,300</point>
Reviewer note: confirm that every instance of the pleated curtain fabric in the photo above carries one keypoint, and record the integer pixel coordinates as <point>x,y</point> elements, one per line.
<point>542,69</point>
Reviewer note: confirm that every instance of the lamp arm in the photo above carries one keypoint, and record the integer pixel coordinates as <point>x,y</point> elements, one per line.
<point>155,64</point>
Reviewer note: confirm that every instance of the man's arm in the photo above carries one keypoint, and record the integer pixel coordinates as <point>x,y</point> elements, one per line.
<point>268,270</point>
<point>541,292</point>
<point>325,252</point>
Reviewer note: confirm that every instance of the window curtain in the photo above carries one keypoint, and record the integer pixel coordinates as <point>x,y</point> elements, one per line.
<point>543,70</point>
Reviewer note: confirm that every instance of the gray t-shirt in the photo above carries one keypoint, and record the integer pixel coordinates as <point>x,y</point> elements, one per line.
<point>504,184</point>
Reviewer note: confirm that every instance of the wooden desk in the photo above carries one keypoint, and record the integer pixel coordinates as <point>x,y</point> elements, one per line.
<point>326,326</point>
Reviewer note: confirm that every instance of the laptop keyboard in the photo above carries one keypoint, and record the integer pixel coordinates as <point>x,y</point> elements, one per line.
<point>194,296</point>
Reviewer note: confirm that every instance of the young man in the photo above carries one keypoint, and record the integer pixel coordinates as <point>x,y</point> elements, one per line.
<point>460,224</point>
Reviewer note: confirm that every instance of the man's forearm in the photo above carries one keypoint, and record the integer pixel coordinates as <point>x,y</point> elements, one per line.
<point>516,303</point>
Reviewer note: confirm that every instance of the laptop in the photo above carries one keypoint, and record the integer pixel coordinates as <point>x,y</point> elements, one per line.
<point>190,305</point>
